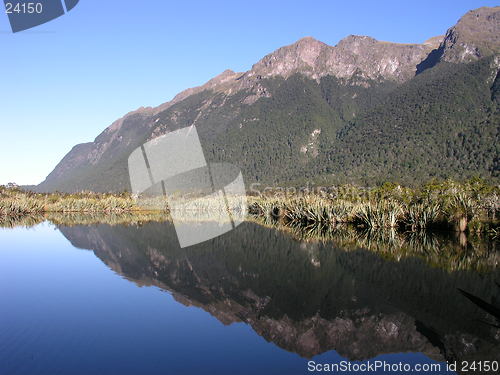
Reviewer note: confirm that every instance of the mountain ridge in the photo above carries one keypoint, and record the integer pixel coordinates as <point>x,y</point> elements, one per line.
<point>359,66</point>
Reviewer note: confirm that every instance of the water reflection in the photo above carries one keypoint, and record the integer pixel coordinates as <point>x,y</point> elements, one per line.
<point>309,297</point>
<point>448,250</point>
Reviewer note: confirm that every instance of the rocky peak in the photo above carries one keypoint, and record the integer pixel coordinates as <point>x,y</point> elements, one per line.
<point>435,41</point>
<point>356,42</point>
<point>360,57</point>
<point>377,60</point>
<point>476,35</point>
<point>299,57</point>
<point>357,59</point>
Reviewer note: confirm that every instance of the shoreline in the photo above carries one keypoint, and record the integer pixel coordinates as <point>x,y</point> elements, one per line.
<point>472,207</point>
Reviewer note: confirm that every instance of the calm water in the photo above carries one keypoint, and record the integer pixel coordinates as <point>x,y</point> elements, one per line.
<point>127,300</point>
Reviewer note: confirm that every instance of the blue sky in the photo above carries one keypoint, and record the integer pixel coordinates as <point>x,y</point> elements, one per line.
<point>66,81</point>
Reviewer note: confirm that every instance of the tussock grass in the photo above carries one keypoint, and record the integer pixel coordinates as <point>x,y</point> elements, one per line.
<point>18,207</point>
<point>15,202</point>
<point>111,218</point>
<point>382,214</point>
<point>471,206</point>
<point>421,216</point>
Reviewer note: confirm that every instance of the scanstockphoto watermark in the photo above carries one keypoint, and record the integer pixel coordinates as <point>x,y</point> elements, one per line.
<point>331,191</point>
<point>403,367</point>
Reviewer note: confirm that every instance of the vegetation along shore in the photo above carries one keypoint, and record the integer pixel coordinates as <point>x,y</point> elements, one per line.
<point>472,206</point>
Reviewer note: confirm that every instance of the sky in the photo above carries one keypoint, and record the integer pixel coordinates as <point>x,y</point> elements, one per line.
<point>64,82</point>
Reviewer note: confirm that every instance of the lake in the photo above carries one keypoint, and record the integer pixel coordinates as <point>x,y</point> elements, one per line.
<point>126,299</point>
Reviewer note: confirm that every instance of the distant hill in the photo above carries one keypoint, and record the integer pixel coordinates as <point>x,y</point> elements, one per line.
<point>362,111</point>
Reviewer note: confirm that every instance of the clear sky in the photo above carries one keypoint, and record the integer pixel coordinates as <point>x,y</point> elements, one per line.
<point>66,81</point>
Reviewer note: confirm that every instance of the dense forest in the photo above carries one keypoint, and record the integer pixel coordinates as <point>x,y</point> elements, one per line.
<point>444,123</point>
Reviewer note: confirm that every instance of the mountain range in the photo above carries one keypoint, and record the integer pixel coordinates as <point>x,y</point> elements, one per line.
<point>363,111</point>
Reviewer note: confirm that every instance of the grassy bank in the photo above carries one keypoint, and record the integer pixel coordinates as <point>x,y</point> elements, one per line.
<point>472,207</point>
<point>452,226</point>
<point>16,202</point>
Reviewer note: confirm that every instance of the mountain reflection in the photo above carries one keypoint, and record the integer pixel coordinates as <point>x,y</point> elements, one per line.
<point>308,297</point>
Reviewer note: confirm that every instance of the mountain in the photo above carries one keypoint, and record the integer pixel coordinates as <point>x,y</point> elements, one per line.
<point>362,111</point>
<point>476,35</point>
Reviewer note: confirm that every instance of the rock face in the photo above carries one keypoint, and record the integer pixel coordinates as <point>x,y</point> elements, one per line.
<point>476,35</point>
<point>360,70</point>
<point>354,59</point>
